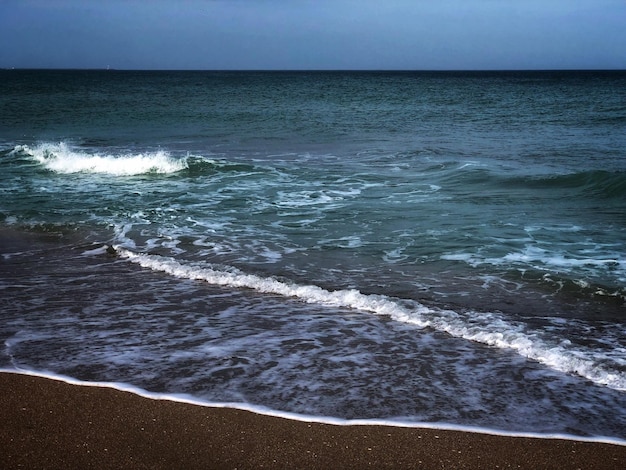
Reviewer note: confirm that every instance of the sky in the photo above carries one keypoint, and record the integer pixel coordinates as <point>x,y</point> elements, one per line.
<point>314,34</point>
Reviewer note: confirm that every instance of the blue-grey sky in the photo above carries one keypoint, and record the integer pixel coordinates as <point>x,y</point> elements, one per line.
<point>313,34</point>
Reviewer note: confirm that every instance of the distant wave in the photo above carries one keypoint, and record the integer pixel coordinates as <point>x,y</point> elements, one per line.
<point>599,183</point>
<point>592,183</point>
<point>483,327</point>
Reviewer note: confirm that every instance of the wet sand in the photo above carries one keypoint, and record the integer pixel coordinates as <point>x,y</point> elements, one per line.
<point>51,424</point>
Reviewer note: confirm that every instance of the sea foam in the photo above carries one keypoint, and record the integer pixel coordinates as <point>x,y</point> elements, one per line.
<point>61,158</point>
<point>489,328</point>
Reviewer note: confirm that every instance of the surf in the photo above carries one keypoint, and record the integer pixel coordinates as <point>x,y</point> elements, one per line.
<point>488,328</point>
<point>63,159</point>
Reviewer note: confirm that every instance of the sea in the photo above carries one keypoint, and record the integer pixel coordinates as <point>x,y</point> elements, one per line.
<point>443,249</point>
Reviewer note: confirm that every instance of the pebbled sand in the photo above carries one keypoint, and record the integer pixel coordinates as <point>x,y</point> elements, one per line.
<point>47,423</point>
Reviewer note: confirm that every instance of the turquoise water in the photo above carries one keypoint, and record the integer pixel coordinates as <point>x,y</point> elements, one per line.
<point>441,247</point>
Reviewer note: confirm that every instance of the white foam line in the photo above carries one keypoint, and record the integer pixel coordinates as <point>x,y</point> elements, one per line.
<point>482,327</point>
<point>260,410</point>
<point>350,298</point>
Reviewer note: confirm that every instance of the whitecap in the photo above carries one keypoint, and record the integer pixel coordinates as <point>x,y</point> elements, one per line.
<point>61,158</point>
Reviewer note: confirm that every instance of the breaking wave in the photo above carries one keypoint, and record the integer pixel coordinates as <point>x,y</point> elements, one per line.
<point>61,158</point>
<point>64,159</point>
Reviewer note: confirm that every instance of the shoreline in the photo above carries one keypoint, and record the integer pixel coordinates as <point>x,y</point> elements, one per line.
<point>51,423</point>
<point>326,420</point>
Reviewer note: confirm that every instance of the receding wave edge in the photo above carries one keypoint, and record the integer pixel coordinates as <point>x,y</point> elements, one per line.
<point>190,400</point>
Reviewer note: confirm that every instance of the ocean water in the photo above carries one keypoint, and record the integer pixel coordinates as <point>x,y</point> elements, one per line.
<point>441,248</point>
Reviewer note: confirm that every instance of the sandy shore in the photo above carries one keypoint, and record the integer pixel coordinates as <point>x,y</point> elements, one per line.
<point>51,424</point>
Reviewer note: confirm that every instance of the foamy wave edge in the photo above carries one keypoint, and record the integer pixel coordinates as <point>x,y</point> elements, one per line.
<point>61,158</point>
<point>261,410</point>
<point>483,327</point>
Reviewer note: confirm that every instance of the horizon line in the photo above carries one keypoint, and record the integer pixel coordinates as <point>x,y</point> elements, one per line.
<point>108,69</point>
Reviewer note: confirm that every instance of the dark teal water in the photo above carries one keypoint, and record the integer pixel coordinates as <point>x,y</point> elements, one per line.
<point>442,247</point>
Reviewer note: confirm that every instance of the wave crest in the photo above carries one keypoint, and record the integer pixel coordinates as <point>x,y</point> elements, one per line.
<point>61,158</point>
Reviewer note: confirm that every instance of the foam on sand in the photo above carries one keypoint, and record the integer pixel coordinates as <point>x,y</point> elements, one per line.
<point>182,398</point>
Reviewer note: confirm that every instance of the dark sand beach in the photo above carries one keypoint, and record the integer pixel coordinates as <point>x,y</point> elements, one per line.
<point>51,424</point>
